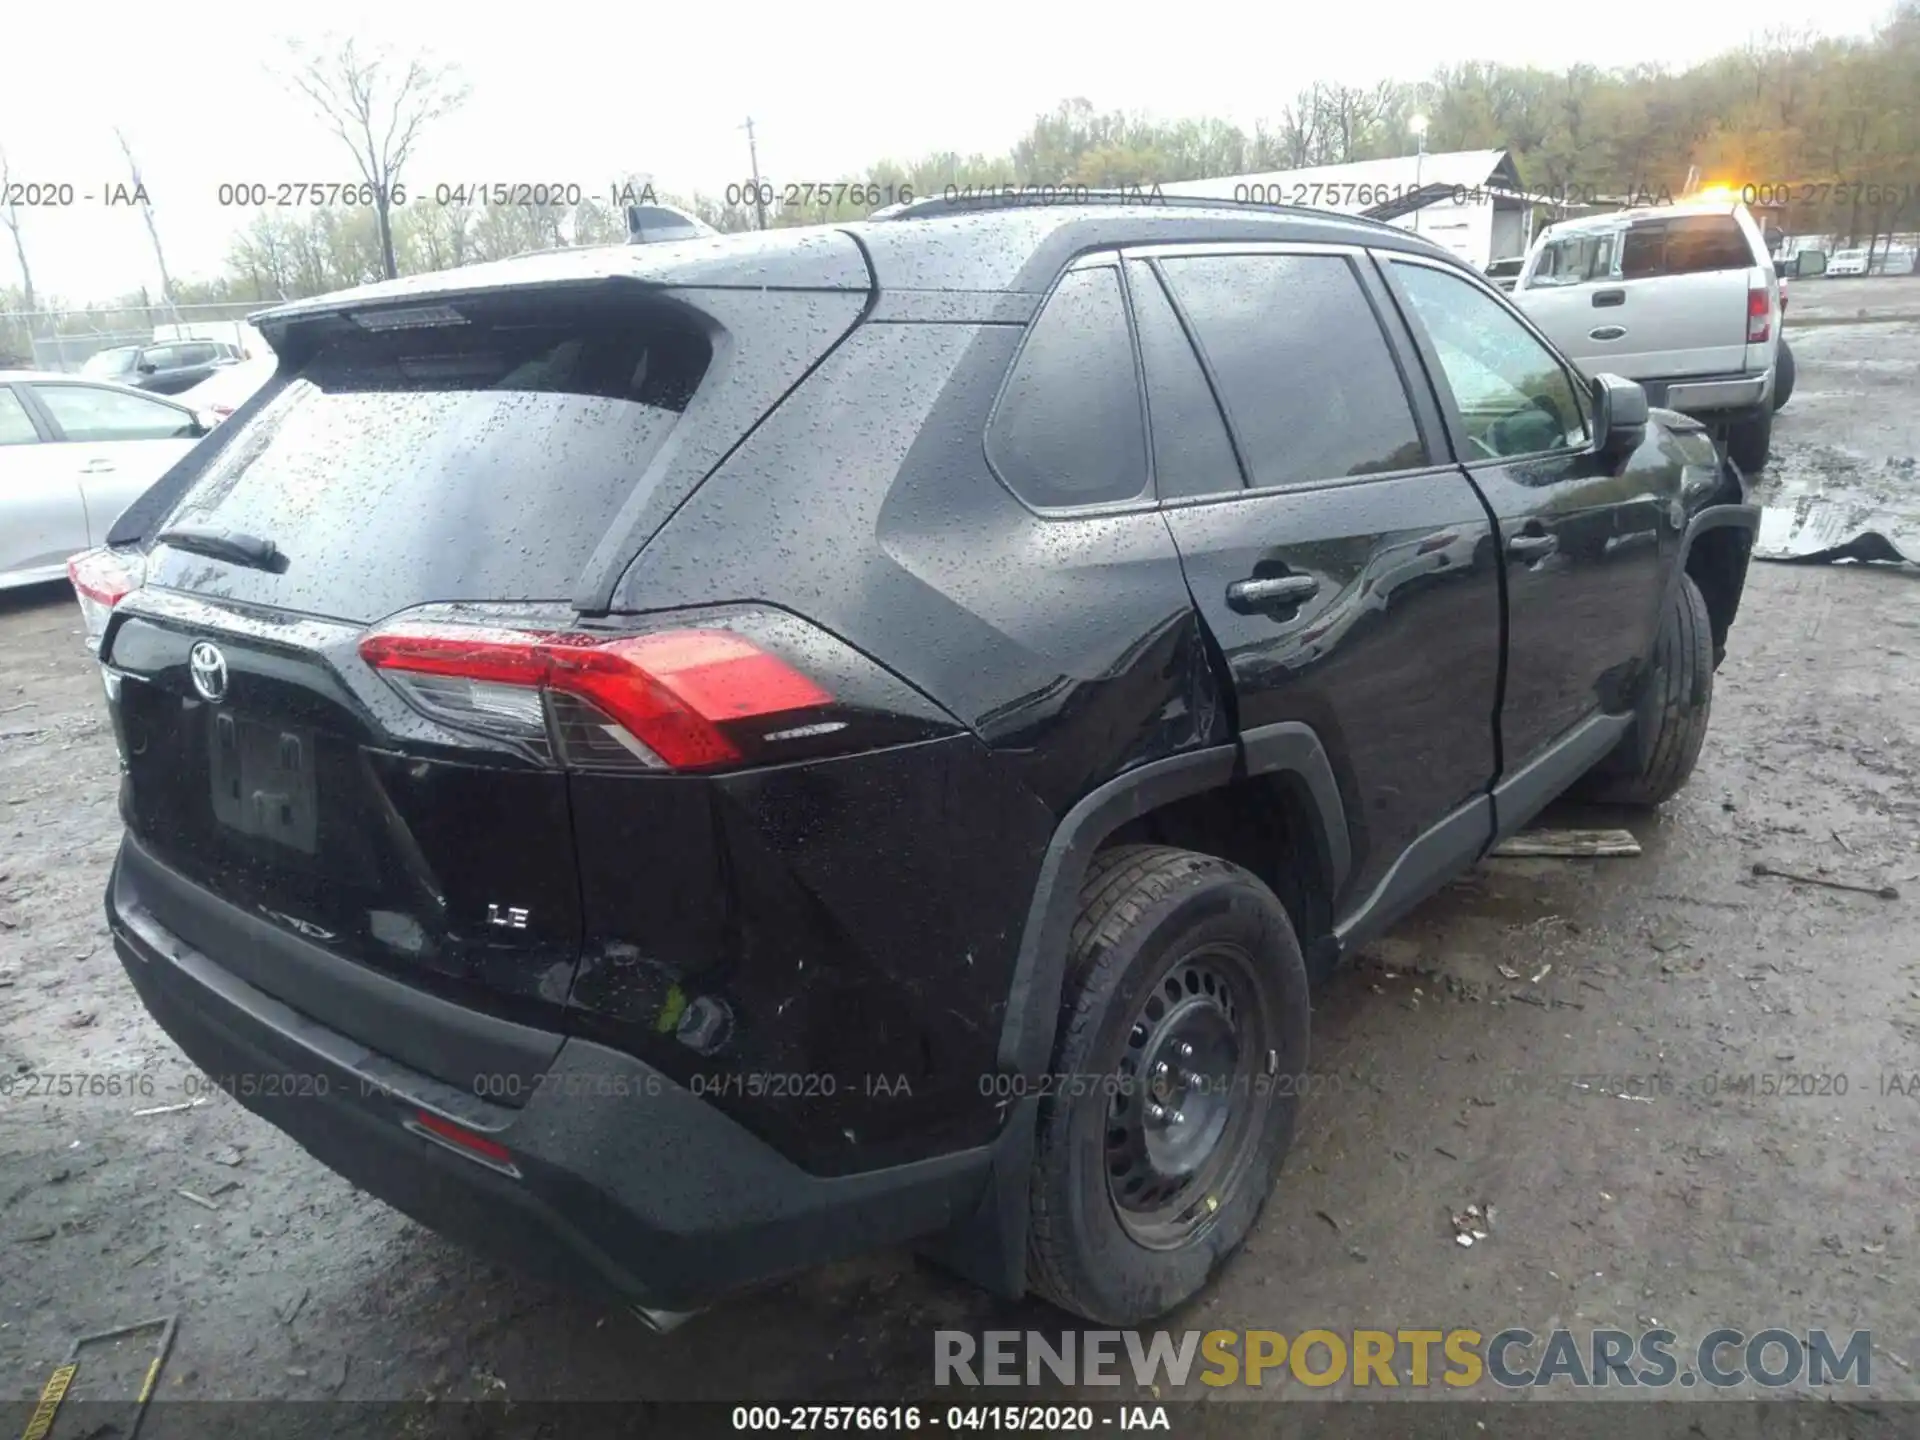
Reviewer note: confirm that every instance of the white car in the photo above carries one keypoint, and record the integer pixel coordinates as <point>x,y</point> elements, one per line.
<point>230,387</point>
<point>1847,262</point>
<point>1682,298</point>
<point>74,453</point>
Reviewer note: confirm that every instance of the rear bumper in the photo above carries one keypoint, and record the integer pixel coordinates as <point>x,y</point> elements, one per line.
<point>626,1183</point>
<point>1717,396</point>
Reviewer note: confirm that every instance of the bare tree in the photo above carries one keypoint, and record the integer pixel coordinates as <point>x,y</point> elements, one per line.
<point>10,217</point>
<point>377,105</point>
<point>153,231</point>
<point>1351,114</point>
<point>1300,129</point>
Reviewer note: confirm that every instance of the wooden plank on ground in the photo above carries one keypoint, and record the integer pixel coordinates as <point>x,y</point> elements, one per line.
<point>1568,844</point>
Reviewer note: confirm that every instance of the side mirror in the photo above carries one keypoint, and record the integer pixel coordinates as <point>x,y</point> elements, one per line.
<point>1619,415</point>
<point>146,367</point>
<point>207,419</point>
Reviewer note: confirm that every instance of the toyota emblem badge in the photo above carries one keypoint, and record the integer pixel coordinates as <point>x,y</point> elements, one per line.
<point>209,670</point>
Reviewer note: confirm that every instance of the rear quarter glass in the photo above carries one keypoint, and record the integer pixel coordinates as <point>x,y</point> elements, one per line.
<point>483,459</point>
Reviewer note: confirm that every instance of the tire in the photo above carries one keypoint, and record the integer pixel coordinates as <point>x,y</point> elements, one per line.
<point>1750,442</point>
<point>1670,731</point>
<point>1783,375</point>
<point>1155,922</point>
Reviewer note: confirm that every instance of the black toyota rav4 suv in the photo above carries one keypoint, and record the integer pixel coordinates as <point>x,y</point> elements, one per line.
<point>675,763</point>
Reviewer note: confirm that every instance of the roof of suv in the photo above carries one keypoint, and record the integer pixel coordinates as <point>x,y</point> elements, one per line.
<point>1014,248</point>
<point>1022,246</point>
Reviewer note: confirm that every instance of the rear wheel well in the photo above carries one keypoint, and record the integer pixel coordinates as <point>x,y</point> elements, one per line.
<point>1717,563</point>
<point>1263,824</point>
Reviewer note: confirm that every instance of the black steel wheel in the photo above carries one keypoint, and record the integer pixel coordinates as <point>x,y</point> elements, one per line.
<point>1188,1096</point>
<point>1176,1075</point>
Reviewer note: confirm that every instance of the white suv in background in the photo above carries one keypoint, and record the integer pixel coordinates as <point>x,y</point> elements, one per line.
<point>1681,298</point>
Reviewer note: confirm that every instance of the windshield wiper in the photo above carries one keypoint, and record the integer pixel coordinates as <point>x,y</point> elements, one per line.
<point>255,551</point>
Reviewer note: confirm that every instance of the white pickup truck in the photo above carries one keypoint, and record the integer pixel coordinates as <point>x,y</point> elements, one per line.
<point>1681,298</point>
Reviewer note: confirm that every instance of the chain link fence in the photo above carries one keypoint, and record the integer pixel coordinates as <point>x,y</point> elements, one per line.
<point>64,339</point>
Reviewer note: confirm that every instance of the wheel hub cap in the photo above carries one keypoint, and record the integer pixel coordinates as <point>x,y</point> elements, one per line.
<point>1171,1127</point>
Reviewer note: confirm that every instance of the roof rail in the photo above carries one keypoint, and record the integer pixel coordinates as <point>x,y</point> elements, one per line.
<point>962,200</point>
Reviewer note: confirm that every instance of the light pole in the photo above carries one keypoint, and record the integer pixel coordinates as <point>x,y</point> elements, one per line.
<point>753,156</point>
<point>1418,124</point>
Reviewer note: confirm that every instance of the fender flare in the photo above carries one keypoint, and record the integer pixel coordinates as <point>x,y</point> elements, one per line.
<point>1289,750</point>
<point>1745,515</point>
<point>1039,966</point>
<point>989,1245</point>
<point>1742,515</point>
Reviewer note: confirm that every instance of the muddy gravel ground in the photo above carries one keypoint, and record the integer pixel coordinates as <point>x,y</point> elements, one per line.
<point>1450,1059</point>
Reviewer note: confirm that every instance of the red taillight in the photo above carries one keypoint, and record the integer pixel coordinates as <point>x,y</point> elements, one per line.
<point>99,575</point>
<point>458,1137</point>
<point>668,694</point>
<point>101,580</point>
<point>1759,315</point>
<point>673,690</point>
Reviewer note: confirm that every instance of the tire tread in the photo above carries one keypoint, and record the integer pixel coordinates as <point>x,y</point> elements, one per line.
<point>1683,668</point>
<point>1121,885</point>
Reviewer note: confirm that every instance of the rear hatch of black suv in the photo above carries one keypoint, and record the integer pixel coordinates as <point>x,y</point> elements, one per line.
<point>338,693</point>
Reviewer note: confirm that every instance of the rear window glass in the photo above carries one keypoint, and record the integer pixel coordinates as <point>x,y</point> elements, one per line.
<point>15,426</point>
<point>110,362</point>
<point>475,460</point>
<point>1068,429</point>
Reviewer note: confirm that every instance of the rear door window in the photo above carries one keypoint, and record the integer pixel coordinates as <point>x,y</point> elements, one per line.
<point>1706,242</point>
<point>481,455</point>
<point>1068,428</point>
<point>95,413</point>
<point>1309,383</point>
<point>1684,245</point>
<point>1192,454</point>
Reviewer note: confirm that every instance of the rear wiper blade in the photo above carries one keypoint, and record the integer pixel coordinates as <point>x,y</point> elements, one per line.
<point>254,551</point>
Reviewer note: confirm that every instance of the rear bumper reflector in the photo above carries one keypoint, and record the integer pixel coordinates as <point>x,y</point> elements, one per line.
<point>469,1143</point>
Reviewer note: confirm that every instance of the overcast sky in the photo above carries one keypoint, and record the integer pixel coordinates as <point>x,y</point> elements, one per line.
<point>578,93</point>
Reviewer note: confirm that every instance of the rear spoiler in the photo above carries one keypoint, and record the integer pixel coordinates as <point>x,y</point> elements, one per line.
<point>815,258</point>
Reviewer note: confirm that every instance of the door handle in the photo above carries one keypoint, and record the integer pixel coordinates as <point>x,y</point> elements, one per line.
<point>1609,297</point>
<point>1281,592</point>
<point>1606,332</point>
<point>1532,547</point>
<point>97,467</point>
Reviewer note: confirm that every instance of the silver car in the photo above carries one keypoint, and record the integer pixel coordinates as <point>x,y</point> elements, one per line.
<point>74,453</point>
